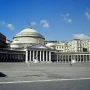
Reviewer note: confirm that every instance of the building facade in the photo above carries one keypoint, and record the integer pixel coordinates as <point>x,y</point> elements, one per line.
<point>75,45</point>
<point>38,53</point>
<point>2,41</point>
<point>31,47</point>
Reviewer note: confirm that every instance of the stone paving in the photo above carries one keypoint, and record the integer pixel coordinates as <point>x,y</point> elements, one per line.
<point>42,71</point>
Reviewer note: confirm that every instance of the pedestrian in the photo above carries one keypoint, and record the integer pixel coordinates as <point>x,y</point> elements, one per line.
<point>28,63</point>
<point>70,64</point>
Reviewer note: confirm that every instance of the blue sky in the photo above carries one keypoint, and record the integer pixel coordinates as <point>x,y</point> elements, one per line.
<point>60,20</point>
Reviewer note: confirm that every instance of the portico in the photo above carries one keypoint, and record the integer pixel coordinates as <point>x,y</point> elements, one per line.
<point>38,53</point>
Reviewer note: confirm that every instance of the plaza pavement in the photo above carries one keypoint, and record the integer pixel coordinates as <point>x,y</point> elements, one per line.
<point>15,72</point>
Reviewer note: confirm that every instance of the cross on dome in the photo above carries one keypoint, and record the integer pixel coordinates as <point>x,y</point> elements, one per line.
<point>29,26</point>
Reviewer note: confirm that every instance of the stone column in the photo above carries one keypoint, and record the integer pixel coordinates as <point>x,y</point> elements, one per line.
<point>71,57</point>
<point>65,57</point>
<point>80,58</point>
<point>26,60</point>
<point>57,58</point>
<point>62,57</point>
<point>46,56</point>
<point>17,57</point>
<point>86,58</point>
<point>89,57</point>
<point>43,55</point>
<point>37,55</point>
<point>83,59</point>
<point>40,56</point>
<point>49,56</point>
<point>33,55</point>
<point>77,58</point>
<point>68,58</point>
<point>30,56</point>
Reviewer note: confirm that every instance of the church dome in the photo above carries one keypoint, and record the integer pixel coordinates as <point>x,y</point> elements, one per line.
<point>29,32</point>
<point>27,37</point>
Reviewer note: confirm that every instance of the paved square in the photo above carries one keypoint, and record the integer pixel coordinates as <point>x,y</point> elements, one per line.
<point>43,71</point>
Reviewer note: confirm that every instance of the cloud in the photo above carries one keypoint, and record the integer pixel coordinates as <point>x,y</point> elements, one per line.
<point>81,36</point>
<point>64,16</point>
<point>44,23</point>
<point>33,23</point>
<point>10,26</point>
<point>4,24</point>
<point>67,14</point>
<point>69,20</point>
<point>87,14</point>
<point>87,10</point>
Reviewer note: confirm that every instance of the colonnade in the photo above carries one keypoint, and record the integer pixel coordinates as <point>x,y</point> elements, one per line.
<point>43,56</point>
<point>69,57</point>
<point>39,55</point>
<point>12,57</point>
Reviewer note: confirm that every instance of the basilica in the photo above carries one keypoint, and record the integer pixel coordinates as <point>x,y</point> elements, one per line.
<point>30,46</point>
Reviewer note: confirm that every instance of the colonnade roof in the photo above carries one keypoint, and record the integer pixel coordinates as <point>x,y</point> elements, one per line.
<point>38,46</point>
<point>73,52</point>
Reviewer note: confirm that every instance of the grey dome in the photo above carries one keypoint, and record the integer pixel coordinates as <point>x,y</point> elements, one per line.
<point>29,32</point>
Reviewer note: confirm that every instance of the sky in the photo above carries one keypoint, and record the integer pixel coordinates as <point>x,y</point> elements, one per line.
<point>60,20</point>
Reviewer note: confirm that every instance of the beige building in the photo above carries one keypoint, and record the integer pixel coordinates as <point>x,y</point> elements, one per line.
<point>88,46</point>
<point>75,45</point>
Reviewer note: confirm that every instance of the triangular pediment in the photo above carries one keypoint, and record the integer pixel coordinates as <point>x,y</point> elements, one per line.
<point>38,46</point>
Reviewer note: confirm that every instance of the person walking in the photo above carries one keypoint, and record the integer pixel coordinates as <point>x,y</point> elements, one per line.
<point>70,63</point>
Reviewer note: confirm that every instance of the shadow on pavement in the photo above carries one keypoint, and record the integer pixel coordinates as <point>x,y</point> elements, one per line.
<point>2,74</point>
